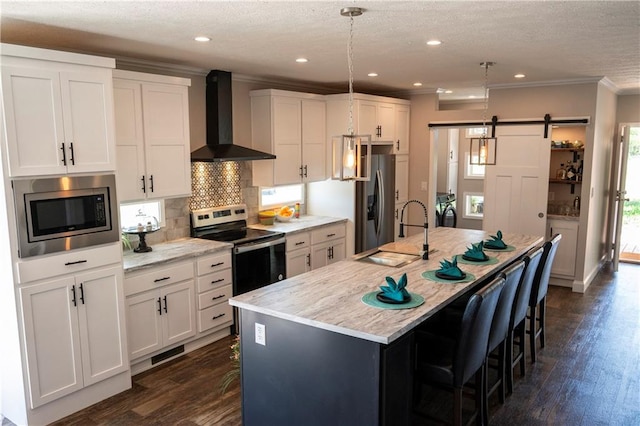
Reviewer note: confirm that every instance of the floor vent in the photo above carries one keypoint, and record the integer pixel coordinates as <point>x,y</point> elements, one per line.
<point>167,354</point>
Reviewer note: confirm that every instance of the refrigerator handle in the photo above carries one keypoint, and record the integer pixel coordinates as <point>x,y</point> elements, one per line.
<point>380,212</point>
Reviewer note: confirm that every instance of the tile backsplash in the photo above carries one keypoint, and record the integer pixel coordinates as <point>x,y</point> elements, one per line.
<point>212,184</point>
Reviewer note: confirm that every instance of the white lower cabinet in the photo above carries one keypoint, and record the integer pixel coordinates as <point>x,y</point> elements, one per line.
<point>328,245</point>
<point>298,253</point>
<point>215,287</point>
<point>165,313</point>
<point>74,332</point>
<point>564,264</point>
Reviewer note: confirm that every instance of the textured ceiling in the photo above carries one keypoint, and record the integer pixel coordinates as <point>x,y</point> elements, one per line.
<point>550,42</point>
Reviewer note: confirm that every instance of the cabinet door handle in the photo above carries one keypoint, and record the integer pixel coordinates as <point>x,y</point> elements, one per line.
<point>81,293</point>
<point>331,235</point>
<point>217,297</point>
<point>217,264</point>
<point>309,260</point>
<point>64,154</point>
<point>398,145</point>
<point>151,184</point>
<point>218,316</point>
<point>159,306</point>
<point>75,263</point>
<point>450,155</point>
<point>396,213</point>
<point>73,292</point>
<point>301,171</point>
<point>219,280</point>
<point>73,161</point>
<point>144,185</point>
<point>157,280</point>
<point>305,170</point>
<point>165,304</point>
<point>379,131</point>
<point>397,194</point>
<point>300,243</point>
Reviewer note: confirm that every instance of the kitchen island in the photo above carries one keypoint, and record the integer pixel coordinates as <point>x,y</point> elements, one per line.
<point>314,353</point>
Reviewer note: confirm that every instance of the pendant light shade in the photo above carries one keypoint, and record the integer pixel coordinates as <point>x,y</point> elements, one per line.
<point>351,153</point>
<point>483,150</point>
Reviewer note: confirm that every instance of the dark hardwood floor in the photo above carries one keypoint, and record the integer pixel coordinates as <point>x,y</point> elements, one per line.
<point>588,373</point>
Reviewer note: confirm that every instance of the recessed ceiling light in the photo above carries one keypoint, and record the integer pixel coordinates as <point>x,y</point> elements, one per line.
<point>373,74</point>
<point>448,91</point>
<point>519,76</point>
<point>472,96</point>
<point>417,84</point>
<point>439,90</point>
<point>202,38</point>
<point>434,43</point>
<point>302,60</point>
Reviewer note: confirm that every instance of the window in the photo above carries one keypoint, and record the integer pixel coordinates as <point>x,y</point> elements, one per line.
<point>133,213</point>
<point>473,205</point>
<point>279,195</point>
<point>473,171</point>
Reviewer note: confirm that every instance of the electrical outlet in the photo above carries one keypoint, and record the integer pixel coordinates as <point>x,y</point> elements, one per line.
<point>424,186</point>
<point>261,334</point>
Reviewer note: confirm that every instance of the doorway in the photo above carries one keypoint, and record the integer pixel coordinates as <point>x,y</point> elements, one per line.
<point>630,234</point>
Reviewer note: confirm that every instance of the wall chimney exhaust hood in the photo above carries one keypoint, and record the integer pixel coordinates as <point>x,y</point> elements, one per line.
<point>220,145</point>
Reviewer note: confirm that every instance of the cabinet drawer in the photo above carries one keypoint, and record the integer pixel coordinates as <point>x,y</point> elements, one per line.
<point>298,241</point>
<point>214,297</point>
<point>327,233</point>
<point>158,277</point>
<point>215,316</point>
<point>68,262</point>
<point>213,263</point>
<point>214,280</point>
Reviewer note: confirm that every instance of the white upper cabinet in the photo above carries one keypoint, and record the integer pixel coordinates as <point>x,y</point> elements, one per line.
<point>402,114</point>
<point>292,126</point>
<point>152,136</point>
<point>58,112</point>
<point>376,119</point>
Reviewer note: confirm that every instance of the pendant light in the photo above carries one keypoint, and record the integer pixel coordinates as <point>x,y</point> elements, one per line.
<point>482,150</point>
<point>350,151</point>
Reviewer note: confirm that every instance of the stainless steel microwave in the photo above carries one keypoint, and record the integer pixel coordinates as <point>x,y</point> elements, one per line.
<point>65,213</point>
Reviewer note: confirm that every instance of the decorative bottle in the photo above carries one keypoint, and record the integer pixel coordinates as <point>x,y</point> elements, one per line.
<point>571,172</point>
<point>561,173</point>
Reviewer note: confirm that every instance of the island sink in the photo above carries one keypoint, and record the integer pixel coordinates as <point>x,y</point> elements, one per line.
<point>387,258</point>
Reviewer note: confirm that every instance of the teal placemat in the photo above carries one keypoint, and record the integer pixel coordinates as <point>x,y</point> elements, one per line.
<point>371,300</point>
<point>509,248</point>
<point>489,261</point>
<point>431,275</point>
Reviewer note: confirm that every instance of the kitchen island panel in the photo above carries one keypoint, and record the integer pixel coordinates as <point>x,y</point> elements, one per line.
<point>301,371</point>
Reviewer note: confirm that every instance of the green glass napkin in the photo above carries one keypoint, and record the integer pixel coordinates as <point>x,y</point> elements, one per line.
<point>449,269</point>
<point>396,291</point>
<point>495,242</point>
<point>475,252</point>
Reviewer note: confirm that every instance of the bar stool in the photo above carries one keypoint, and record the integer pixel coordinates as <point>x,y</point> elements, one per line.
<point>499,332</point>
<point>450,363</point>
<point>519,314</point>
<point>538,299</point>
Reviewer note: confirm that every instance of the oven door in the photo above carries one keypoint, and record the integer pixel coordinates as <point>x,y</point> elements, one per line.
<point>258,264</point>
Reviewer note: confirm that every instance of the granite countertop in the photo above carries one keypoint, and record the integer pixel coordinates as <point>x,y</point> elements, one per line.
<point>184,248</point>
<point>330,297</point>
<point>303,223</point>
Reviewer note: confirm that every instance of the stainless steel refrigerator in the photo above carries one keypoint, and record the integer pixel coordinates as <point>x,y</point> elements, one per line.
<point>374,222</point>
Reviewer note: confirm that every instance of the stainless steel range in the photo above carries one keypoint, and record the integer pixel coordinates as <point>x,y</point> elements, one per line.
<point>258,255</point>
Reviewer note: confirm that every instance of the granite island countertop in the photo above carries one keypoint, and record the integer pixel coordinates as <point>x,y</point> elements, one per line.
<point>302,224</point>
<point>330,297</point>
<point>183,248</point>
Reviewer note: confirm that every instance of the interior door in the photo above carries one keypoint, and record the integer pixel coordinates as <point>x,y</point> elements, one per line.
<point>516,187</point>
<point>621,163</point>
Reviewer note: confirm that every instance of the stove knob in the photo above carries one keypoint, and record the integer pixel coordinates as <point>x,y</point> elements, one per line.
<point>280,277</point>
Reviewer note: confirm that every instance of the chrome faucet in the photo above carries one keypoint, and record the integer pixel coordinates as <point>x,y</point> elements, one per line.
<point>425,246</point>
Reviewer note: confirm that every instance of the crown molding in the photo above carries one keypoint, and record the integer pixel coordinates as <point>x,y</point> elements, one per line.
<point>567,82</point>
